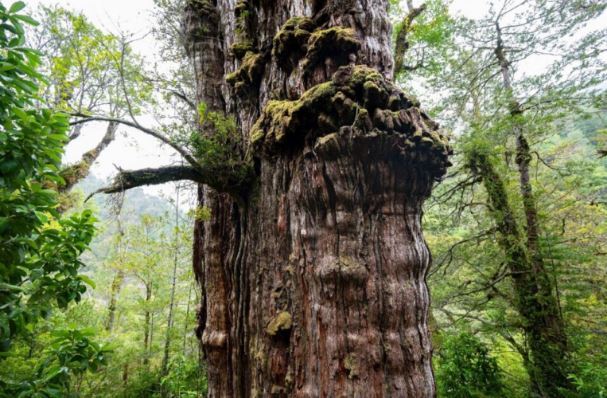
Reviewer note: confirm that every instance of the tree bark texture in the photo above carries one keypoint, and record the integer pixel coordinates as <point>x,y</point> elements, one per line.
<point>314,279</point>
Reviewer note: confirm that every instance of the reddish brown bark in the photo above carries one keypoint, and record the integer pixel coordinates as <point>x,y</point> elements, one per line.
<point>314,279</point>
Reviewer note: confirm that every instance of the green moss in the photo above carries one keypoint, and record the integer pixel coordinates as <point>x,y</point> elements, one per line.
<point>290,42</point>
<point>240,49</point>
<point>249,73</point>
<point>74,173</point>
<point>241,6</point>
<point>281,322</point>
<point>336,42</point>
<point>358,103</point>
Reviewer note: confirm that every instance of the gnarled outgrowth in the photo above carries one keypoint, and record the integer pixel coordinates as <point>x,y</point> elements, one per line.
<point>290,43</point>
<point>249,73</point>
<point>357,103</point>
<point>336,43</point>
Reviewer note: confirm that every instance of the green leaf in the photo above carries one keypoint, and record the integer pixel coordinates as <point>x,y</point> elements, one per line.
<point>16,7</point>
<point>28,20</point>
<point>87,280</point>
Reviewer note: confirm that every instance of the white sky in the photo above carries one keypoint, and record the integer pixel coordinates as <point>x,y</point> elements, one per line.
<point>135,16</point>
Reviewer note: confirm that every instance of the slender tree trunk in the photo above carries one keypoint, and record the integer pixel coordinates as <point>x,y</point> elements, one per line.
<point>167,341</point>
<point>114,290</point>
<point>146,327</point>
<point>187,319</point>
<point>151,335</point>
<point>535,301</point>
<point>548,346</point>
<point>314,279</point>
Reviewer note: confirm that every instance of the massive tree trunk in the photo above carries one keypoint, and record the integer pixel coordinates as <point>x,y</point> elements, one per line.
<point>314,275</point>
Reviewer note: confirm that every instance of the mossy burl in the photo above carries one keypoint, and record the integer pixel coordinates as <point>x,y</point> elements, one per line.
<point>299,38</point>
<point>357,97</point>
<point>249,73</point>
<point>239,49</point>
<point>290,42</point>
<point>336,42</point>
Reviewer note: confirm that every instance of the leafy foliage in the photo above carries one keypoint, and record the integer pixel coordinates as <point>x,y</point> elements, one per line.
<point>39,250</point>
<point>466,368</point>
<point>223,149</point>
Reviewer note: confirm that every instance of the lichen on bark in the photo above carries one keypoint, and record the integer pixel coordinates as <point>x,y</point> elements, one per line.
<point>280,323</point>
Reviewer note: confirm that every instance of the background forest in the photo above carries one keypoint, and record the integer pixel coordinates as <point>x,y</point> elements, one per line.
<point>98,298</point>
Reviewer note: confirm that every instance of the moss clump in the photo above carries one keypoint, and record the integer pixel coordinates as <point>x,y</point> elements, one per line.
<point>356,106</point>
<point>240,49</point>
<point>290,43</point>
<point>336,42</point>
<point>241,6</point>
<point>75,172</point>
<point>281,119</point>
<point>280,323</point>
<point>249,73</point>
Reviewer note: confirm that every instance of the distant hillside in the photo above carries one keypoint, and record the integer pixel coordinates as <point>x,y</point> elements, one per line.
<point>136,201</point>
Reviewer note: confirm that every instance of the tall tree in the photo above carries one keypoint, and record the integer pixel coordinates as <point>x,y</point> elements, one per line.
<point>315,167</point>
<point>508,106</point>
<point>170,320</point>
<point>90,72</point>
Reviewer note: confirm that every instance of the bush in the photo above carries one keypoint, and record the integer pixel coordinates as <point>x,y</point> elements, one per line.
<point>464,369</point>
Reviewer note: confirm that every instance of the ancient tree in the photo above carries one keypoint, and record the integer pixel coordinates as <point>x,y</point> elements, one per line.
<point>314,168</point>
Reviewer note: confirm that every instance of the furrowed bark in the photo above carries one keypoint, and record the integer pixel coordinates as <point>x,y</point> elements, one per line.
<point>314,283</point>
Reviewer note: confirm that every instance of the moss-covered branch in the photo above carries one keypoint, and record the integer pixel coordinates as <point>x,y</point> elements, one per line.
<point>74,173</point>
<point>402,39</point>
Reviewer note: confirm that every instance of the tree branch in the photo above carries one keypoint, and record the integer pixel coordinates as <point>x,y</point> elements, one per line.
<point>128,179</point>
<point>74,173</point>
<point>220,178</point>
<point>402,40</point>
<point>183,152</point>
